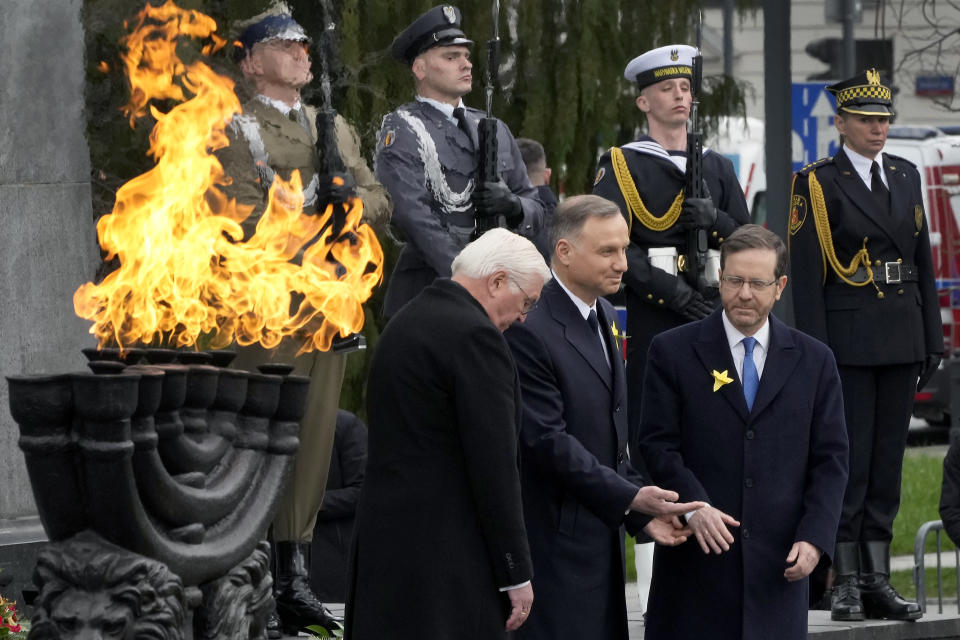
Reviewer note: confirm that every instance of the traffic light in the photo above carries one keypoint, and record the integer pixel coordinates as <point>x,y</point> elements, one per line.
<point>869,54</point>
<point>829,51</point>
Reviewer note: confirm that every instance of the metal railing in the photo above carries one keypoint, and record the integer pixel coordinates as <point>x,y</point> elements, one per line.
<point>919,568</point>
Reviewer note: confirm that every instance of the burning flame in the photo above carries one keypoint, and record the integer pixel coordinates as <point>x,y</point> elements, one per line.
<point>184,270</point>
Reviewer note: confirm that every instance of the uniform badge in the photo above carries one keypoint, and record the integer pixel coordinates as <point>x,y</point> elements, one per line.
<point>389,138</point>
<point>798,213</point>
<point>873,77</point>
<point>599,177</point>
<point>674,55</point>
<point>449,13</point>
<point>918,216</point>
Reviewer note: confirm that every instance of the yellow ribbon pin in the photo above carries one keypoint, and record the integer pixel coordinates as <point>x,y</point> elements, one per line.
<point>616,332</point>
<point>720,378</point>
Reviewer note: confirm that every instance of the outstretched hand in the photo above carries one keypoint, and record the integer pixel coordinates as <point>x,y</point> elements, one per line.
<point>655,501</point>
<point>667,530</point>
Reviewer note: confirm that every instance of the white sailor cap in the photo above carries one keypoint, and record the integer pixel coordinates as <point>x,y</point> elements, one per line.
<point>663,63</point>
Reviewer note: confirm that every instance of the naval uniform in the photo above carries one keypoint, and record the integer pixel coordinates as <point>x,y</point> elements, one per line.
<point>880,323</point>
<point>265,142</point>
<point>428,164</point>
<point>658,178</point>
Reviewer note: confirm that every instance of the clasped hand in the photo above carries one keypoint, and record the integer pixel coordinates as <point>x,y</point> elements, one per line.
<point>665,528</point>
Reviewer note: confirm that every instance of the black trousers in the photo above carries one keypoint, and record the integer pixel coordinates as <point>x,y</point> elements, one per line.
<point>877,402</point>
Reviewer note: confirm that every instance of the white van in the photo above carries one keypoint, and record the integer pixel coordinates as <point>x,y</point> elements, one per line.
<point>742,140</point>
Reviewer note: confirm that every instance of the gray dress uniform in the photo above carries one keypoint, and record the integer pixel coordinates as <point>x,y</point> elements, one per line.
<point>428,165</point>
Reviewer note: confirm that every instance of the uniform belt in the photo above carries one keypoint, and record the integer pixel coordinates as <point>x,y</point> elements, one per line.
<point>890,273</point>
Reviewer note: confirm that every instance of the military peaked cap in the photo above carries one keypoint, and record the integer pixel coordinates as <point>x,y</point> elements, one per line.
<point>863,94</point>
<point>439,26</point>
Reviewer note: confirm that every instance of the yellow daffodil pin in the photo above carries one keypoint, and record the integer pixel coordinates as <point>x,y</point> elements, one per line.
<point>720,378</point>
<point>617,333</point>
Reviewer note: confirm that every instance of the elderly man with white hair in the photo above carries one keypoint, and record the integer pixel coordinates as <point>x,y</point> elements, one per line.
<point>440,545</point>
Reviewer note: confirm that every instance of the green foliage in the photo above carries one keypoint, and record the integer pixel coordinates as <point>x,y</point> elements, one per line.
<point>919,498</point>
<point>319,632</point>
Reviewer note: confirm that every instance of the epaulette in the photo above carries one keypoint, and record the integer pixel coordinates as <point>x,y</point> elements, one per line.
<point>813,165</point>
<point>900,159</point>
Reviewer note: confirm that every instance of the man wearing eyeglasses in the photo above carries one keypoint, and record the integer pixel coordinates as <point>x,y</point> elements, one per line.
<point>744,414</point>
<point>579,487</point>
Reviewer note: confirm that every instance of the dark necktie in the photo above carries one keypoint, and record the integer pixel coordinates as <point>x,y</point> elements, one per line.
<point>877,187</point>
<point>595,331</point>
<point>751,380</point>
<point>460,114</point>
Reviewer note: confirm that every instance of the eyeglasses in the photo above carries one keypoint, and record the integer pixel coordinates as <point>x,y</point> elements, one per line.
<point>735,283</point>
<point>528,303</point>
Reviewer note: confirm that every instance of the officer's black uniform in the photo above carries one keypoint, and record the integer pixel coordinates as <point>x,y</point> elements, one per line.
<point>863,282</point>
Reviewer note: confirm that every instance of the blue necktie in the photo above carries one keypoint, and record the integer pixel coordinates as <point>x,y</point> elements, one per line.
<point>750,378</point>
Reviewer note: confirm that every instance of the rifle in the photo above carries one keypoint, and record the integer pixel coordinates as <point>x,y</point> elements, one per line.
<point>693,188</point>
<point>487,127</point>
<point>329,161</point>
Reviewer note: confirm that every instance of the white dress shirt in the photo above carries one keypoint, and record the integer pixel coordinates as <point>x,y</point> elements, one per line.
<point>861,164</point>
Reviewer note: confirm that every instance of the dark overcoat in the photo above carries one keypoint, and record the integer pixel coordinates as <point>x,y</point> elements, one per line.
<point>440,523</point>
<point>576,475</point>
<point>333,532</point>
<point>779,469</point>
<point>429,166</point>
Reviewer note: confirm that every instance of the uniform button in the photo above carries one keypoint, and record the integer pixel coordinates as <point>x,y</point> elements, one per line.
<point>899,260</point>
<point>748,483</point>
<point>649,296</point>
<point>660,301</point>
<point>866,238</point>
<point>916,234</point>
<point>745,533</point>
<point>877,263</point>
<point>750,434</point>
<point>900,291</point>
<point>714,234</point>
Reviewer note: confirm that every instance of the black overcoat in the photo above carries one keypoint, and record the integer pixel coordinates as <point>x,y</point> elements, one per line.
<point>334,529</point>
<point>576,476</point>
<point>780,470</point>
<point>440,523</point>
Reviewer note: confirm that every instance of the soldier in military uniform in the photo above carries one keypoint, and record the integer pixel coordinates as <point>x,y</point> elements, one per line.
<point>274,136</point>
<point>646,179</point>
<point>864,284</point>
<point>428,155</point>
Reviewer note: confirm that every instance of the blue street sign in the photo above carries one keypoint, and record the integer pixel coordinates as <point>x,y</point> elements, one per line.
<point>814,135</point>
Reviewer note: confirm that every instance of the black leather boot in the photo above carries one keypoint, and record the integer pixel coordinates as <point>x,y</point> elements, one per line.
<point>274,631</point>
<point>880,600</point>
<point>845,601</point>
<point>297,605</point>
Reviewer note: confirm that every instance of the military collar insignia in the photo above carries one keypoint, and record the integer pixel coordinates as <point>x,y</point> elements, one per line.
<point>450,14</point>
<point>720,378</point>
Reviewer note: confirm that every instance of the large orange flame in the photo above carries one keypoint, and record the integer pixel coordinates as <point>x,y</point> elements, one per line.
<point>184,270</point>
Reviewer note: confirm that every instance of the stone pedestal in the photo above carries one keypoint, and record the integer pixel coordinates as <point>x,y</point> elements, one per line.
<point>48,247</point>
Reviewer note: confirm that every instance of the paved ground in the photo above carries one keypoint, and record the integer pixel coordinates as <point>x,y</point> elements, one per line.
<point>933,625</point>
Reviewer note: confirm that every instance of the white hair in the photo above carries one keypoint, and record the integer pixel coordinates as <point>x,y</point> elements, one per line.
<point>501,250</point>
